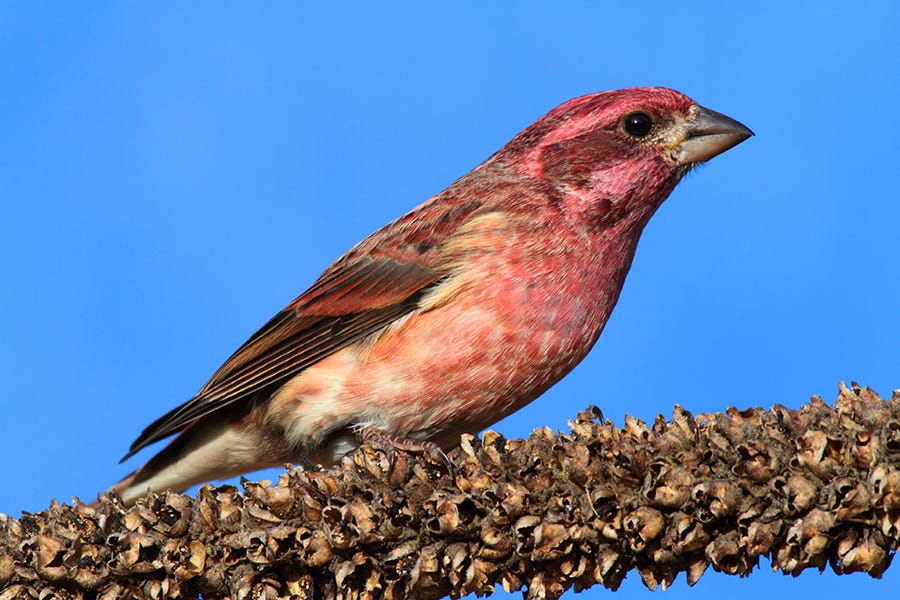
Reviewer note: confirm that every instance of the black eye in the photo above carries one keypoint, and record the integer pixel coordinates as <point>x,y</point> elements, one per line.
<point>637,124</point>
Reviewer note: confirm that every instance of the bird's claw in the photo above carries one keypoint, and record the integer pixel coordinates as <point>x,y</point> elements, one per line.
<point>389,443</point>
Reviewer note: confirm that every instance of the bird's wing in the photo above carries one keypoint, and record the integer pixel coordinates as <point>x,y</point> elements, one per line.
<point>378,282</point>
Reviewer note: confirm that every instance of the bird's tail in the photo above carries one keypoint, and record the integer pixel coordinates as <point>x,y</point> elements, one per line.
<point>207,450</point>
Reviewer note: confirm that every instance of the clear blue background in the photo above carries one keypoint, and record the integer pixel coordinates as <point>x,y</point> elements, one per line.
<point>172,174</point>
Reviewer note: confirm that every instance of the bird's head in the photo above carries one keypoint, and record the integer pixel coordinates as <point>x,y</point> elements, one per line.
<point>614,152</point>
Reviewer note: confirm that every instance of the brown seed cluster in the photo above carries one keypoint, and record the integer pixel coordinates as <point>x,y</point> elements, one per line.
<point>807,488</point>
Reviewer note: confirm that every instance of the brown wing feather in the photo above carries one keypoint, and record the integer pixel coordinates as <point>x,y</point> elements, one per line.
<point>377,282</point>
<point>349,302</point>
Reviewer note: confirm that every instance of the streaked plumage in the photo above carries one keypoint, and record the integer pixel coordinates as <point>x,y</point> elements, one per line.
<point>457,313</point>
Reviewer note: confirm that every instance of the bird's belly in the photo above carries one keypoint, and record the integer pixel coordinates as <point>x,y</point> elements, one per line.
<point>461,366</point>
<point>470,372</point>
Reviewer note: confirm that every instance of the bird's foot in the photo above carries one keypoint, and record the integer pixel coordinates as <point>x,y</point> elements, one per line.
<point>388,443</point>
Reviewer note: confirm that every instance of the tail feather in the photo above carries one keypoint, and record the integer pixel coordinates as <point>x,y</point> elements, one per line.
<point>207,450</point>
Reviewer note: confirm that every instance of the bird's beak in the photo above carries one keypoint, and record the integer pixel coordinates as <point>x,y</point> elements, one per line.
<point>709,134</point>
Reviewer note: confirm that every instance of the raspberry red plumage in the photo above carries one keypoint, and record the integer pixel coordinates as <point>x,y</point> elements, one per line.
<point>457,313</point>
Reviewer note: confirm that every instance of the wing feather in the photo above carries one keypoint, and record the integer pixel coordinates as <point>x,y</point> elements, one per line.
<point>294,339</point>
<point>377,282</point>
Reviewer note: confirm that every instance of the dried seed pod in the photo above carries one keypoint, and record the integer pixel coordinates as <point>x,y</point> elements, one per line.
<point>807,487</point>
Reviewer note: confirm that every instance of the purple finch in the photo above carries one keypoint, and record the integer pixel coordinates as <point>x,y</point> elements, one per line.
<point>456,314</point>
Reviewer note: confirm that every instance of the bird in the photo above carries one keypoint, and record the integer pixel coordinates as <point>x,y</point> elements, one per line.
<point>457,313</point>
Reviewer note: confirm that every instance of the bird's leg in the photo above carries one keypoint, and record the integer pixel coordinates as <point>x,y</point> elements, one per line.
<point>388,442</point>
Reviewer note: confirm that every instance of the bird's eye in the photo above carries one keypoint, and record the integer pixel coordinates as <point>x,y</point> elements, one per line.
<point>637,124</point>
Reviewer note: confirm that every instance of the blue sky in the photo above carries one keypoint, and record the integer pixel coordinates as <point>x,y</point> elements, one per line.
<point>171,175</point>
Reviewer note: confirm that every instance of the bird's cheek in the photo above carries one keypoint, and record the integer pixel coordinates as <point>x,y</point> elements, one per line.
<point>572,163</point>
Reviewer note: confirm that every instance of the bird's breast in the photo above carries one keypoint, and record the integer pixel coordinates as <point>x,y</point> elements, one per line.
<point>490,339</point>
<point>507,323</point>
